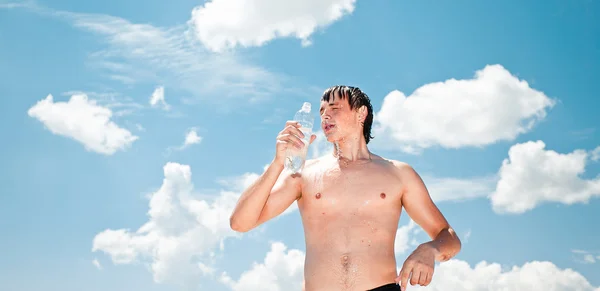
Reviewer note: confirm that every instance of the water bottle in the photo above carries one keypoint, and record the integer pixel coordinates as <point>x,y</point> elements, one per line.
<point>295,157</point>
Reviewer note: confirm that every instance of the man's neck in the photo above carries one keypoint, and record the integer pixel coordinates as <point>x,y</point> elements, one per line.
<point>351,150</point>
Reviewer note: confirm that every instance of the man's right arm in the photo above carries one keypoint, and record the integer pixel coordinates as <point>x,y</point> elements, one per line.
<point>265,198</point>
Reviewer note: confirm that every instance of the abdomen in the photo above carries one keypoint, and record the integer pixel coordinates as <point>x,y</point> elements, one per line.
<point>349,255</point>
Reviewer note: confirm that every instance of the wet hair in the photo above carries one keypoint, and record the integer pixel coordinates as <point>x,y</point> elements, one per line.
<point>356,99</point>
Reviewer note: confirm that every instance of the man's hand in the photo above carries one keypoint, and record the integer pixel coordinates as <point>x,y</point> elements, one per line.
<point>418,266</point>
<point>290,136</point>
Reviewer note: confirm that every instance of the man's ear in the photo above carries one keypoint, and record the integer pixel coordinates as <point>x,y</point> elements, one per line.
<point>362,112</point>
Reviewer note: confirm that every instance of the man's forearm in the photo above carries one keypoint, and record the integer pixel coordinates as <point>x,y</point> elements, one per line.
<point>253,199</point>
<point>447,245</point>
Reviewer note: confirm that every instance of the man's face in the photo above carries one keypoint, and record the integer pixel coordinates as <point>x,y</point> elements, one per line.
<point>338,121</point>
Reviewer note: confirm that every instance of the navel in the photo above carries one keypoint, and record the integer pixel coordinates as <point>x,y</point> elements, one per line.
<point>382,195</point>
<point>318,195</point>
<point>345,261</point>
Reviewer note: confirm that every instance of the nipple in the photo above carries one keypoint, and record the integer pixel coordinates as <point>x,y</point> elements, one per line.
<point>382,195</point>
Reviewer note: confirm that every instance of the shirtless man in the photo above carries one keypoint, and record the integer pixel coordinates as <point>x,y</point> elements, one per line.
<point>350,202</point>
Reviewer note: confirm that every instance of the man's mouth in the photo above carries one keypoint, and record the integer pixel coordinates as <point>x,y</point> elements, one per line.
<point>328,127</point>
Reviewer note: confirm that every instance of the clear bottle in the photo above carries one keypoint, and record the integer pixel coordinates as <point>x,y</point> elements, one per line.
<point>295,157</point>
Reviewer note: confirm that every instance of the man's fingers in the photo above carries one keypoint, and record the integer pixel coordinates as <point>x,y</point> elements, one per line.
<point>293,130</point>
<point>406,270</point>
<point>290,138</point>
<point>414,278</point>
<point>428,280</point>
<point>423,277</point>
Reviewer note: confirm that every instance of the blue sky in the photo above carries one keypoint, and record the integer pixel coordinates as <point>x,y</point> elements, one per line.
<point>161,113</point>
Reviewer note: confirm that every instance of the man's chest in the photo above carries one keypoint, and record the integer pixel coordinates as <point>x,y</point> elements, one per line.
<point>338,191</point>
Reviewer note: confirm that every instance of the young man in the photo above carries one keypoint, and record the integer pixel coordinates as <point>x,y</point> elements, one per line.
<point>350,203</point>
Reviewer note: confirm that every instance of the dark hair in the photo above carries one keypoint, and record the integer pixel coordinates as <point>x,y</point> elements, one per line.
<point>356,99</point>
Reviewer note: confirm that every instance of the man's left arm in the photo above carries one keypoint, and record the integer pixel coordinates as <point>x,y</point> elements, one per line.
<point>444,245</point>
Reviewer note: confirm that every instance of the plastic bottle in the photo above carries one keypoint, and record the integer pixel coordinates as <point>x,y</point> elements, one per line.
<point>295,157</point>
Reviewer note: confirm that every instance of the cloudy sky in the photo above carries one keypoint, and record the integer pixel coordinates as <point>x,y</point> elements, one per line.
<point>129,129</point>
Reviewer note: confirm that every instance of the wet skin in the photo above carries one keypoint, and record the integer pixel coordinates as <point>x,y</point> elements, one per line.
<point>350,215</point>
<point>350,201</point>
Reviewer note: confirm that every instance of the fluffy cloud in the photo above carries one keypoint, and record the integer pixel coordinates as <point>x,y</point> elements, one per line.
<point>142,53</point>
<point>532,175</point>
<point>158,98</point>
<point>191,138</point>
<point>282,269</point>
<point>587,257</point>
<point>454,189</point>
<point>224,24</point>
<point>182,234</point>
<point>402,242</point>
<point>83,120</point>
<point>595,154</point>
<point>491,107</point>
<point>531,276</point>
<point>97,264</point>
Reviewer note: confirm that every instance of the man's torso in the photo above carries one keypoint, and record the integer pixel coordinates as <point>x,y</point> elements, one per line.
<point>350,216</point>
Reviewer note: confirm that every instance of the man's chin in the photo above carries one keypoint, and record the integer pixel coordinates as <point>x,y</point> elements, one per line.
<point>331,138</point>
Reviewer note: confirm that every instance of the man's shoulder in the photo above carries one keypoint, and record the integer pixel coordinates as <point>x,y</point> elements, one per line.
<point>401,168</point>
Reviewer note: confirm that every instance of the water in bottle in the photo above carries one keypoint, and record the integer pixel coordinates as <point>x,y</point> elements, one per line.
<point>295,157</point>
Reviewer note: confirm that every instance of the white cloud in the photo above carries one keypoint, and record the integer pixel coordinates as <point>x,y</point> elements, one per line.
<point>459,275</point>
<point>491,107</point>
<point>589,258</point>
<point>84,121</point>
<point>402,242</point>
<point>449,189</point>
<point>119,104</point>
<point>10,5</point>
<point>595,154</point>
<point>239,183</point>
<point>158,98</point>
<point>97,264</point>
<point>532,175</point>
<point>191,138</point>
<point>242,182</point>
<point>182,234</point>
<point>467,236</point>
<point>173,56</point>
<point>586,257</point>
<point>282,269</point>
<point>225,24</point>
<point>484,276</point>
